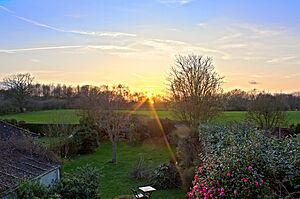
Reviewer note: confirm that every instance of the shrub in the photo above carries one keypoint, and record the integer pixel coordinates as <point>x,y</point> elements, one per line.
<point>295,128</point>
<point>166,176</point>
<point>228,178</point>
<point>82,141</point>
<point>65,147</point>
<point>32,189</point>
<point>237,146</point>
<point>141,171</point>
<point>87,140</point>
<point>138,132</point>
<point>81,184</point>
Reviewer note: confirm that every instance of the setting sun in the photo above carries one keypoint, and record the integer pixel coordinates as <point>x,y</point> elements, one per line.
<point>150,98</point>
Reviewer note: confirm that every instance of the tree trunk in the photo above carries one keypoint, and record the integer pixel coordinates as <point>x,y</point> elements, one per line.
<point>114,159</point>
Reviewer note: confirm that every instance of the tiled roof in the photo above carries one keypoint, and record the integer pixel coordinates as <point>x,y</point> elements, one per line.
<point>20,158</point>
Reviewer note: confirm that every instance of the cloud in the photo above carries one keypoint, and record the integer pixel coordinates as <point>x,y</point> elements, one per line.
<point>253,82</point>
<point>257,30</point>
<point>35,60</point>
<point>202,25</point>
<point>101,47</point>
<point>79,32</point>
<point>229,37</point>
<point>36,49</point>
<point>175,2</point>
<point>257,76</point>
<point>233,46</point>
<point>281,59</point>
<point>6,9</point>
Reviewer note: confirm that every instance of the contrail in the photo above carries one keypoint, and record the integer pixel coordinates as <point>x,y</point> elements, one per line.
<point>79,32</point>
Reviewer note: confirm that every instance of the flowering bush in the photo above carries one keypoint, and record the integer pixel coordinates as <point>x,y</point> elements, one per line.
<point>229,149</point>
<point>227,179</point>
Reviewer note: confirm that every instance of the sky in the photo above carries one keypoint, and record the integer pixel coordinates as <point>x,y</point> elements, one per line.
<point>254,43</point>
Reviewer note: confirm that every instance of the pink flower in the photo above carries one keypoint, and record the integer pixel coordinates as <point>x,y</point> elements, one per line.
<point>222,193</point>
<point>262,181</point>
<point>228,174</point>
<point>190,195</point>
<point>222,189</point>
<point>244,179</point>
<point>249,168</point>
<point>256,184</point>
<point>235,192</point>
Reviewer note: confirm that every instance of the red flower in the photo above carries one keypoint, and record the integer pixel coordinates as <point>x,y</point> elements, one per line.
<point>228,174</point>
<point>244,179</point>
<point>190,195</point>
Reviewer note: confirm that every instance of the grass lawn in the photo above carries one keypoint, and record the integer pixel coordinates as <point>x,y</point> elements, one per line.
<point>67,116</point>
<point>72,116</point>
<point>115,179</point>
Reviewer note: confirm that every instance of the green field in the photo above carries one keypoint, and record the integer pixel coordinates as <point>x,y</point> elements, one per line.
<point>70,116</point>
<point>115,179</point>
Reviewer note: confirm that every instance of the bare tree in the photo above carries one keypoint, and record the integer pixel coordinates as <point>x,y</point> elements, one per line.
<point>106,115</point>
<point>266,111</point>
<point>195,88</point>
<point>20,86</point>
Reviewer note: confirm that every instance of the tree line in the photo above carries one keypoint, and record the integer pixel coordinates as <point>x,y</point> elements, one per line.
<point>19,92</point>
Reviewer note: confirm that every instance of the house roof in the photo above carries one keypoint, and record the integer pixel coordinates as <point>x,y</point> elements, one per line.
<point>21,159</point>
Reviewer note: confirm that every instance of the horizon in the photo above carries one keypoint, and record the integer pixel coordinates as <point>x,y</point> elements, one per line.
<point>135,43</point>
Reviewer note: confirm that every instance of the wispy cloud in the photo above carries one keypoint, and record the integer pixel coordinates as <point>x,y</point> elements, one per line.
<point>6,9</point>
<point>202,25</point>
<point>257,76</point>
<point>100,47</point>
<point>36,49</point>
<point>257,30</point>
<point>281,59</point>
<point>35,60</point>
<point>79,32</point>
<point>229,37</point>
<point>175,2</point>
<point>233,46</point>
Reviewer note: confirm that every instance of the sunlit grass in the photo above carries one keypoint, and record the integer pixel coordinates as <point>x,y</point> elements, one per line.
<point>71,116</point>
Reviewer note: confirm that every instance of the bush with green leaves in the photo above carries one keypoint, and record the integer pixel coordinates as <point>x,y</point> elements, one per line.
<point>83,140</point>
<point>32,189</point>
<point>275,159</point>
<point>83,183</point>
<point>166,176</point>
<point>226,177</point>
<point>87,140</point>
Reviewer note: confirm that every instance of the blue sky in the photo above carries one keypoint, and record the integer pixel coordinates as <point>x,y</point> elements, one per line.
<point>255,44</point>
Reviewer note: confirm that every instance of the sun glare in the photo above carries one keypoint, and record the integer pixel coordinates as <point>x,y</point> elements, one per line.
<point>150,98</point>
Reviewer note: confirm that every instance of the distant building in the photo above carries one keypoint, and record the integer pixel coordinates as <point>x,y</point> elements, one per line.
<point>21,159</point>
